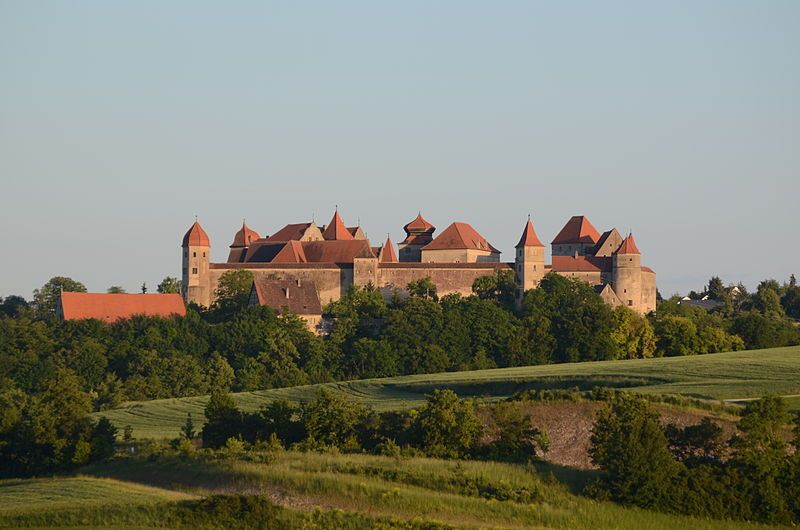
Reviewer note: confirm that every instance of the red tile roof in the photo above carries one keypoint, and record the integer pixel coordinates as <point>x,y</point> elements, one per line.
<point>580,264</point>
<point>292,252</point>
<point>244,237</point>
<point>335,251</point>
<point>529,237</point>
<point>336,230</point>
<point>577,230</point>
<point>460,236</point>
<point>628,246</point>
<point>648,269</point>
<point>113,307</point>
<point>419,224</point>
<point>299,297</point>
<point>387,254</point>
<point>196,237</point>
<point>290,232</point>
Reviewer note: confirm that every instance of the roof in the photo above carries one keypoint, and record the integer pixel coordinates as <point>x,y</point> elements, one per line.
<point>244,236</point>
<point>577,230</point>
<point>580,264</point>
<point>196,237</point>
<point>336,230</point>
<point>335,251</point>
<point>387,253</point>
<point>113,307</point>
<point>290,232</point>
<point>529,237</point>
<point>292,252</point>
<point>608,243</point>
<point>263,251</point>
<point>460,236</point>
<point>419,224</point>
<point>296,296</point>
<point>628,246</point>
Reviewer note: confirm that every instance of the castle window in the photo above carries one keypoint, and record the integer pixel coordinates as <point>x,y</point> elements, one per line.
<point>194,254</point>
<point>630,302</point>
<point>194,270</point>
<point>204,254</point>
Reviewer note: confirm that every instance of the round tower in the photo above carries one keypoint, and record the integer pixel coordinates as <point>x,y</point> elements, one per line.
<point>196,249</point>
<point>626,274</point>
<point>419,233</point>
<point>529,260</point>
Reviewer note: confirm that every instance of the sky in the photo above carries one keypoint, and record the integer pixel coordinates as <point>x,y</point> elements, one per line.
<point>121,121</point>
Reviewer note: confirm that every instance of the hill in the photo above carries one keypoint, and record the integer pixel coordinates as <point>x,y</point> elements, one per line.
<point>733,376</point>
<point>353,491</point>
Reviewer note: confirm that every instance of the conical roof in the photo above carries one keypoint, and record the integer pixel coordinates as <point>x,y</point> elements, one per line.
<point>196,237</point>
<point>244,236</point>
<point>628,246</point>
<point>419,225</point>
<point>388,254</point>
<point>336,230</point>
<point>529,237</point>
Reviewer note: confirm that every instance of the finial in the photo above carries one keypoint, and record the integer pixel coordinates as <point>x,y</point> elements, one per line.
<point>313,218</point>
<point>195,218</point>
<point>529,217</point>
<point>337,207</point>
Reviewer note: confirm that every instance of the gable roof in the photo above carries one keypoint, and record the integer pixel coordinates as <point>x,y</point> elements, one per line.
<point>529,237</point>
<point>292,252</point>
<point>244,236</point>
<point>196,237</point>
<point>298,297</point>
<point>290,232</point>
<point>608,243</point>
<point>577,230</point>
<point>263,251</point>
<point>460,236</point>
<point>335,251</point>
<point>387,253</point>
<point>336,230</point>
<point>628,246</point>
<point>113,307</point>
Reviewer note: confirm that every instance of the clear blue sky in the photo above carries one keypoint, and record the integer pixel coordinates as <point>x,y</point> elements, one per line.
<point>119,121</point>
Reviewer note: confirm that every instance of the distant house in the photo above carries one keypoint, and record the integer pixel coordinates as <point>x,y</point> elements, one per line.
<point>113,307</point>
<point>289,296</point>
<point>704,303</point>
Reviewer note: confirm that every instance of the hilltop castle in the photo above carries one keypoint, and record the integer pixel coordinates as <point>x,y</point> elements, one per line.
<point>333,257</point>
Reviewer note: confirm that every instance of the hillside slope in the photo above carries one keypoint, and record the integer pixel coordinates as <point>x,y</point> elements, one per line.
<point>721,376</point>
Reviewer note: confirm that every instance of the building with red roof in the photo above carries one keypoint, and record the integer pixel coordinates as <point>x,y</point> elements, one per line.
<point>334,257</point>
<point>113,307</point>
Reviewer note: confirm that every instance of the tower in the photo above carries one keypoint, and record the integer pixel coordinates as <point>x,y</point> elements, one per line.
<point>419,233</point>
<point>241,242</point>
<point>626,274</point>
<point>529,260</point>
<point>196,249</point>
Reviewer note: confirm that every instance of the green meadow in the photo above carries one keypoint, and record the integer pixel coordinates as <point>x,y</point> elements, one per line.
<point>732,376</point>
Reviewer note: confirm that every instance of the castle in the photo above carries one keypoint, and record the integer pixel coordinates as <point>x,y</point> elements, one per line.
<point>334,256</point>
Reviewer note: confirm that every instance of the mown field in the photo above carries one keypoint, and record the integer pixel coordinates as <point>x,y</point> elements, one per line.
<point>722,376</point>
<point>353,491</point>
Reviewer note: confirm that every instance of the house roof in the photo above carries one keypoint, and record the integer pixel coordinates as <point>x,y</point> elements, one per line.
<point>418,225</point>
<point>290,232</point>
<point>335,251</point>
<point>577,230</point>
<point>460,236</point>
<point>387,253</point>
<point>244,236</point>
<point>196,237</point>
<point>292,252</point>
<point>607,244</point>
<point>336,230</point>
<point>628,246</point>
<point>580,264</point>
<point>296,296</point>
<point>113,307</point>
<point>529,237</point>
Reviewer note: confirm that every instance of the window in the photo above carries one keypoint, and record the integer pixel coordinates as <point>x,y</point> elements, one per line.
<point>194,270</point>
<point>194,254</point>
<point>630,302</point>
<point>204,254</point>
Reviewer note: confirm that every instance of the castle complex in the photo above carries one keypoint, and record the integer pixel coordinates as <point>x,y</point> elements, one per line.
<point>333,257</point>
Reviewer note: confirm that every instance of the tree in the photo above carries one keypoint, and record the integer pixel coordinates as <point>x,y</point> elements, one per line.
<point>46,298</point>
<point>223,419</point>
<point>695,443</point>
<point>500,287</point>
<point>716,290</point>
<point>423,288</point>
<point>169,285</point>
<point>187,430</point>
<point>633,334</point>
<point>233,290</point>
<point>143,288</point>
<point>102,439</point>
<point>331,421</point>
<point>116,289</point>
<point>447,426</point>
<point>631,450</point>
<point>514,436</point>
<point>13,305</point>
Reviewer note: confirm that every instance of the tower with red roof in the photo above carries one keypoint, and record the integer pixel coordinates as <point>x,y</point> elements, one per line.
<point>196,254</point>
<point>626,273</point>
<point>529,260</point>
<point>419,233</point>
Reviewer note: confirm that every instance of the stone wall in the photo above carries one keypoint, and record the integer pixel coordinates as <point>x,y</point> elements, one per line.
<point>448,277</point>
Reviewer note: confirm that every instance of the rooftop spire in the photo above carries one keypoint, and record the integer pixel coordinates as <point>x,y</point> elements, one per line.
<point>529,237</point>
<point>196,236</point>
<point>628,246</point>
<point>336,230</point>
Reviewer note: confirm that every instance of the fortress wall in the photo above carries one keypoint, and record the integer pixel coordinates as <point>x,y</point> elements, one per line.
<point>448,277</point>
<point>648,292</point>
<point>590,277</point>
<point>331,280</point>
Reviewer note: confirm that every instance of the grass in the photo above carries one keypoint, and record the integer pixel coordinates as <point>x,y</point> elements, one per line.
<point>464,494</point>
<point>720,376</point>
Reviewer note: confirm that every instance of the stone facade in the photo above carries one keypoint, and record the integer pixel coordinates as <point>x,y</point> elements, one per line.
<point>452,261</point>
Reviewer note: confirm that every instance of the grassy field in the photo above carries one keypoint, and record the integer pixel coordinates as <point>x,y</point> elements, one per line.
<point>720,376</point>
<point>355,491</point>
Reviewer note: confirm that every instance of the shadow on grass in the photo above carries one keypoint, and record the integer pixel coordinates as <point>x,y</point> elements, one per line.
<point>574,479</point>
